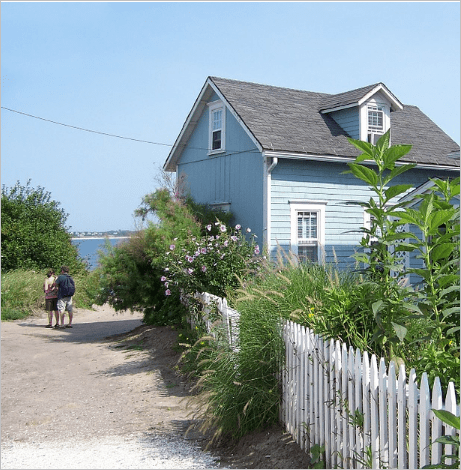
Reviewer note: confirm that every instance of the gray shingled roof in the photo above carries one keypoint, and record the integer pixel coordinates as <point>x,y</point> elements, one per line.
<point>346,98</point>
<point>288,120</point>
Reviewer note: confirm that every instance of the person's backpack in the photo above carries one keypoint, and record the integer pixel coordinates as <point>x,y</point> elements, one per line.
<point>67,286</point>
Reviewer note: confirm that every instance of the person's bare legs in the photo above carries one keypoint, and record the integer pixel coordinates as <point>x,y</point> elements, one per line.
<point>56,315</point>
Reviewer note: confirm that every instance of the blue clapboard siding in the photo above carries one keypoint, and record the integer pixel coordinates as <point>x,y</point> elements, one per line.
<point>235,176</point>
<point>348,119</point>
<point>322,181</point>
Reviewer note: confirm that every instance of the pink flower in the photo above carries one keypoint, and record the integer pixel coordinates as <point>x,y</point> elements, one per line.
<point>203,251</point>
<point>223,228</point>
<point>172,247</point>
<point>190,270</point>
<point>234,238</point>
<point>204,269</point>
<point>208,227</point>
<point>167,284</point>
<point>163,278</point>
<point>256,250</point>
<point>226,242</point>
<point>168,292</point>
<point>238,227</point>
<point>248,229</point>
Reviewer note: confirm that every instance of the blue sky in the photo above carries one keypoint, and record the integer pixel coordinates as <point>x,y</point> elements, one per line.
<point>135,69</point>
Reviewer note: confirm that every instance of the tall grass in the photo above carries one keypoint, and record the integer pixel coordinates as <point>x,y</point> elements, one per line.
<point>22,292</point>
<point>238,390</point>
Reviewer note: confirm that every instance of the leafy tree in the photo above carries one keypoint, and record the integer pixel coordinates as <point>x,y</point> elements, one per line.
<point>34,235</point>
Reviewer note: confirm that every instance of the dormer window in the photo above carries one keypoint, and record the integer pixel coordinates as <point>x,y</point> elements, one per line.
<point>375,123</point>
<point>217,127</point>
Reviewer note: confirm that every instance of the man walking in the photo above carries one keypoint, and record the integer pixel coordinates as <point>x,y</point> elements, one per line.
<point>66,291</point>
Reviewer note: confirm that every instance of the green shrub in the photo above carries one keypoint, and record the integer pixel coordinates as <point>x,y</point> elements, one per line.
<point>211,263</point>
<point>131,273</point>
<point>34,235</point>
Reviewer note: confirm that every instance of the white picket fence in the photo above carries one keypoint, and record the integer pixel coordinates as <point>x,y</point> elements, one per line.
<point>364,415</point>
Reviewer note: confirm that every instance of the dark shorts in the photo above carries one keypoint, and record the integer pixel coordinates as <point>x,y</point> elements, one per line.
<point>51,305</point>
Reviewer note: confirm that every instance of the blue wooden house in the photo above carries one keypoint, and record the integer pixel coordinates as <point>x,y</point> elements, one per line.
<point>275,158</point>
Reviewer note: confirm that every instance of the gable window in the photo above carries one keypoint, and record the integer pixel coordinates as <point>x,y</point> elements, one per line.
<point>217,127</point>
<point>375,123</point>
<point>307,230</point>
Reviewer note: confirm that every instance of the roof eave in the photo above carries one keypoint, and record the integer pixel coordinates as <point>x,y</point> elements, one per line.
<point>192,119</point>
<point>342,159</point>
<point>187,128</point>
<point>396,105</point>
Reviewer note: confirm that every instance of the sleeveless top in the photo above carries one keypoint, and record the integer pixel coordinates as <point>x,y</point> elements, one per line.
<point>52,291</point>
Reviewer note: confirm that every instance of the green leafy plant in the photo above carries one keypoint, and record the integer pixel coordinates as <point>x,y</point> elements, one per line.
<point>391,306</point>
<point>317,459</point>
<point>453,421</point>
<point>438,247</point>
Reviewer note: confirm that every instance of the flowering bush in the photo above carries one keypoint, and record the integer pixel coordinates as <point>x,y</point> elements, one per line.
<point>212,263</point>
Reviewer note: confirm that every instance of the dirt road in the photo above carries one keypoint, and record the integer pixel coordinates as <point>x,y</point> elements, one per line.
<point>68,386</point>
<point>74,398</point>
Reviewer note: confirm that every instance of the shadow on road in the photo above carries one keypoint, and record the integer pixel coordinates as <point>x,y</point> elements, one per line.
<point>83,332</point>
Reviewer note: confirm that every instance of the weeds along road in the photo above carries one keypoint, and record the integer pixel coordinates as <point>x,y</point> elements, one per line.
<point>73,399</point>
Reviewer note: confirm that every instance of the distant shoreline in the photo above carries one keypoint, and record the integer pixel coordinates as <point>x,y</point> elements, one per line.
<point>97,238</point>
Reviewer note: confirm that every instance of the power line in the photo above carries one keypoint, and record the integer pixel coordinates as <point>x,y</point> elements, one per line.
<point>86,130</point>
<point>228,153</point>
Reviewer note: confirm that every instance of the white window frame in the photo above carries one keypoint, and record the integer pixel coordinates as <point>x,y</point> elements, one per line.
<point>319,241</point>
<point>374,132</point>
<point>213,107</point>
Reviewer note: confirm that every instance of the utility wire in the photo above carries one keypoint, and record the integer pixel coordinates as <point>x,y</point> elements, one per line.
<point>119,136</point>
<point>86,130</point>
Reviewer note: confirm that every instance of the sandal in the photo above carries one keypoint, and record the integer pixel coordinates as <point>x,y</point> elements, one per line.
<point>56,326</point>
<point>68,326</point>
<point>49,326</point>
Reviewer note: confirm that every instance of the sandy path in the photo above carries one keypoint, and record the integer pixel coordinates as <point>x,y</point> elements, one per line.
<point>73,385</point>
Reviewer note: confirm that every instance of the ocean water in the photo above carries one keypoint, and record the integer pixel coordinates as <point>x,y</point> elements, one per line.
<point>88,248</point>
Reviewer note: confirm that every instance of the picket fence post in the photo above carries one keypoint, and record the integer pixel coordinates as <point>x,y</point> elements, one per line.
<point>392,404</point>
<point>436,454</point>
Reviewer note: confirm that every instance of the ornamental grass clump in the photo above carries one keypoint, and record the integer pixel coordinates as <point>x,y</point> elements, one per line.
<point>238,388</point>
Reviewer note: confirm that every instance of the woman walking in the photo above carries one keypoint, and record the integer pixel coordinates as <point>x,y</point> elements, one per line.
<point>51,298</point>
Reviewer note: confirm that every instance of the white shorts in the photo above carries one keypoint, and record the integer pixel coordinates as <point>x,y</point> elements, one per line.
<point>65,304</point>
